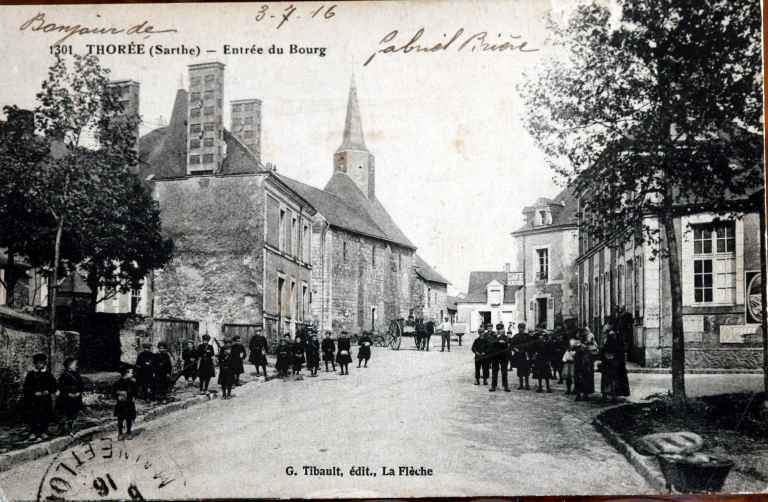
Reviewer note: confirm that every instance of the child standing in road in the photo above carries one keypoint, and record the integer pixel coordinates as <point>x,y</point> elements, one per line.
<point>238,356</point>
<point>71,394</point>
<point>344,357</point>
<point>283,361</point>
<point>364,352</point>
<point>569,361</point>
<point>227,367</point>
<point>39,388</point>
<point>124,391</point>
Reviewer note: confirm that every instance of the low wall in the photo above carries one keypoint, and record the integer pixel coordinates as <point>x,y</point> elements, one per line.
<point>16,350</point>
<point>719,358</point>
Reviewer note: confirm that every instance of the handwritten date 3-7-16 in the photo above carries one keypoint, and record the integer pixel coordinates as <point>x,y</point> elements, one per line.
<point>281,16</point>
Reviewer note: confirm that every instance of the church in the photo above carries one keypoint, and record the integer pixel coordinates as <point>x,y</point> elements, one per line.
<point>255,248</point>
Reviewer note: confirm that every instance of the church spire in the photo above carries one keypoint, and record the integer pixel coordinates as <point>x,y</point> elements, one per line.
<point>353,138</point>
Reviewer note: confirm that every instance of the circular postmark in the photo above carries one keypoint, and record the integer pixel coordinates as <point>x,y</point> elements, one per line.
<point>103,468</point>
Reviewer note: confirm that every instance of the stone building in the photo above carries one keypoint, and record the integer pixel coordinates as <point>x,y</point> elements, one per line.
<point>490,298</point>
<point>547,246</point>
<point>242,237</point>
<point>429,292</point>
<point>720,272</point>
<point>364,267</point>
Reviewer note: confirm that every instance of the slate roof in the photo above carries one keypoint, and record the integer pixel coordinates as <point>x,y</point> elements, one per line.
<point>566,216</point>
<point>478,281</point>
<point>426,272</point>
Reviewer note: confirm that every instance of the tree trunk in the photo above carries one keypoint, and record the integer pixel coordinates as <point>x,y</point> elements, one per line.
<point>10,280</point>
<point>55,286</point>
<point>676,297</point>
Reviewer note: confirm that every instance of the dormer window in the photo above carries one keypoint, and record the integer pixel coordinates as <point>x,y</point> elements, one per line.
<point>545,218</point>
<point>494,296</point>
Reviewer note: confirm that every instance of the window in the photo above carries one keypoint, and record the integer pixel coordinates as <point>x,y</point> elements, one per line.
<point>305,241</point>
<point>208,158</point>
<point>629,286</point>
<point>714,263</point>
<point>280,285</point>
<point>208,110</point>
<point>542,217</point>
<point>344,250</point>
<point>429,296</point>
<point>194,143</point>
<point>543,260</point>
<point>399,261</point>
<point>194,98</point>
<point>373,255</point>
<point>596,299</point>
<point>294,238</point>
<point>248,107</point>
<point>619,285</point>
<point>194,128</point>
<point>303,301</point>
<point>208,95</point>
<point>135,300</point>
<point>294,300</point>
<point>194,159</point>
<point>606,291</point>
<point>194,81</point>
<point>236,108</point>
<point>281,238</point>
<point>210,78</point>
<point>194,113</point>
<point>207,142</point>
<point>248,120</point>
<point>209,126</point>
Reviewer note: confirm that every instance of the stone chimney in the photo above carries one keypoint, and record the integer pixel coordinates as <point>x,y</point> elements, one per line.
<point>246,124</point>
<point>205,128</point>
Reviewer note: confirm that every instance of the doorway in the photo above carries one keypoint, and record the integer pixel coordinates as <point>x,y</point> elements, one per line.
<point>541,313</point>
<point>485,318</point>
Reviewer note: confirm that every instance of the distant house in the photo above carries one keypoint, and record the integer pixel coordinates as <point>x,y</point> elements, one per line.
<point>490,299</point>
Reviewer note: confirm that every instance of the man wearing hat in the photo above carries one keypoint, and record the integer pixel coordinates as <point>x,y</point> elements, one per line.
<point>205,367</point>
<point>163,370</point>
<point>329,348</point>
<point>39,389</point>
<point>480,349</point>
<point>145,372</point>
<point>258,347</point>
<point>499,353</point>
<point>445,334</point>
<point>238,356</point>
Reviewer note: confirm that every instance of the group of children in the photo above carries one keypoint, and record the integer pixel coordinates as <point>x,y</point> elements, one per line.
<point>305,348</point>
<point>545,356</point>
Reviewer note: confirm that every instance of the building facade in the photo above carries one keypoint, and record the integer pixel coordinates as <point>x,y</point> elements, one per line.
<point>547,246</point>
<point>429,292</point>
<point>490,298</point>
<point>720,276</point>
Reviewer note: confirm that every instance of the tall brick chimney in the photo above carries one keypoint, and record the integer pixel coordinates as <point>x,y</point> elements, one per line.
<point>246,124</point>
<point>205,128</point>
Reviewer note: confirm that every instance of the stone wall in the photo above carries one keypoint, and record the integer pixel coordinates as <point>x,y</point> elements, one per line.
<point>359,285</point>
<point>217,224</point>
<point>16,350</point>
<point>721,358</point>
<point>436,308</point>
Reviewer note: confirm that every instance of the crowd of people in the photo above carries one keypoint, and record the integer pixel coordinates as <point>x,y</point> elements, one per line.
<point>568,358</point>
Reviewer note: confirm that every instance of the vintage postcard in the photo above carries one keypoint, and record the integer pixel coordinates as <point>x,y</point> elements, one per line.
<point>382,249</point>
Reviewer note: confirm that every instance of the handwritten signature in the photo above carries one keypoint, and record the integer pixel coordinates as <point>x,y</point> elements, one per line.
<point>40,23</point>
<point>481,41</point>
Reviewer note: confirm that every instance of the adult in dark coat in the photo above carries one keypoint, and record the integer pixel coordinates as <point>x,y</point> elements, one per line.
<point>189,359</point>
<point>70,399</point>
<point>420,333</point>
<point>313,355</point>
<point>480,348</point>
<point>227,368</point>
<point>238,356</point>
<point>520,345</point>
<point>145,372</point>
<point>205,366</point>
<point>284,354</point>
<point>329,349</point>
<point>499,353</point>
<point>364,350</point>
<point>298,350</point>
<point>613,381</point>
<point>344,355</point>
<point>540,359</point>
<point>163,370</point>
<point>584,365</point>
<point>39,389</point>
<point>258,356</point>
<point>124,391</point>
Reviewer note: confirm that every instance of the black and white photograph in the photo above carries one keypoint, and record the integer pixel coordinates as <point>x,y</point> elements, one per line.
<point>382,249</point>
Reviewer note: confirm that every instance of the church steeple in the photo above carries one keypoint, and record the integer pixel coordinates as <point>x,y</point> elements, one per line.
<point>353,138</point>
<point>352,157</point>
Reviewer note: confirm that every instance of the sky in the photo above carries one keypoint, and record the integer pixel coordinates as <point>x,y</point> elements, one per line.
<point>454,165</point>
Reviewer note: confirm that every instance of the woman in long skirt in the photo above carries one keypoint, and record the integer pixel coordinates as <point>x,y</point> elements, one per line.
<point>584,365</point>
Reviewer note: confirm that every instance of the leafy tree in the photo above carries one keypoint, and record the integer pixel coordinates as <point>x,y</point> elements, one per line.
<point>652,112</point>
